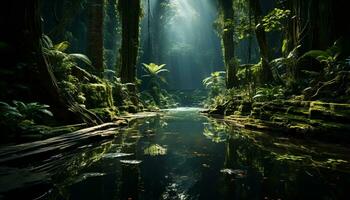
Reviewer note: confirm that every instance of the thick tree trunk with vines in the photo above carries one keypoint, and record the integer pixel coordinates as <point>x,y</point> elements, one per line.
<point>130,12</point>
<point>23,35</point>
<point>228,44</point>
<point>266,73</point>
<point>95,34</point>
<point>314,24</point>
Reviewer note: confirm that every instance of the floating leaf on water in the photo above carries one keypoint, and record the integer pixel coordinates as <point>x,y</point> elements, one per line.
<point>335,161</point>
<point>197,154</point>
<point>149,131</point>
<point>155,150</point>
<point>132,162</point>
<point>238,173</point>
<point>290,157</point>
<point>205,165</point>
<point>93,174</point>
<point>88,175</point>
<point>117,155</point>
<point>163,124</point>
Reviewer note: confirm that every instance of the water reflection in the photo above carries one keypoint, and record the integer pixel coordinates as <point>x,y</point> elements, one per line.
<point>184,155</point>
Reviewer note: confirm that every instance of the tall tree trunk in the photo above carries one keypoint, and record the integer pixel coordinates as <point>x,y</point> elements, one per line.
<point>266,75</point>
<point>23,35</point>
<point>313,25</point>
<point>157,18</point>
<point>229,44</point>
<point>250,39</point>
<point>111,23</point>
<point>130,12</point>
<point>95,34</point>
<point>150,44</point>
<point>64,18</point>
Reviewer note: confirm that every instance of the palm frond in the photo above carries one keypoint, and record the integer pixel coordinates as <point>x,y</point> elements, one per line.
<point>62,46</point>
<point>81,57</point>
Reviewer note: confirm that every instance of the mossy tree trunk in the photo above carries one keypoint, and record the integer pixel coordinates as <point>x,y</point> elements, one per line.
<point>95,34</point>
<point>266,73</point>
<point>111,35</point>
<point>228,43</point>
<point>130,12</point>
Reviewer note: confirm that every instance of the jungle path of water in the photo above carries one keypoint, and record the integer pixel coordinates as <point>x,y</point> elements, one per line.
<point>184,155</point>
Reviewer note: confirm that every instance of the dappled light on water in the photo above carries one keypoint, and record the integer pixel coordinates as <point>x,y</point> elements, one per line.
<point>183,155</point>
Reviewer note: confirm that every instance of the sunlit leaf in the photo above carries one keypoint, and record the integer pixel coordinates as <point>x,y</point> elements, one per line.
<point>62,46</point>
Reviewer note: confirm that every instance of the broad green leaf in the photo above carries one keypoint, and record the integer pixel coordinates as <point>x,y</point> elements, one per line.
<point>81,57</point>
<point>62,46</point>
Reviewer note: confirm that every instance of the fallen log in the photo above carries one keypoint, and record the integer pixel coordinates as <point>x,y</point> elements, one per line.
<point>22,153</point>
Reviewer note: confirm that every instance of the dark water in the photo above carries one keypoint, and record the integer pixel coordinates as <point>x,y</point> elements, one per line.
<point>184,155</point>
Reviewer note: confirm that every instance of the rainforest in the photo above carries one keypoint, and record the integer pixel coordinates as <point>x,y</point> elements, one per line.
<point>174,99</point>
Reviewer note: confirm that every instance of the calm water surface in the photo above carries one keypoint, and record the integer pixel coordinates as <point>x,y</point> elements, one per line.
<point>183,155</point>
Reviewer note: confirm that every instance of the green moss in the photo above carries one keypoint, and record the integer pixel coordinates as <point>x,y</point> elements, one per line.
<point>98,95</point>
<point>330,111</point>
<point>155,150</point>
<point>106,114</point>
<point>129,108</point>
<point>301,128</point>
<point>245,108</point>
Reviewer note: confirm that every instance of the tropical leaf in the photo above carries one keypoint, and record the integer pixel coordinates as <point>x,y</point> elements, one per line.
<point>20,105</point>
<point>162,70</point>
<point>9,111</point>
<point>47,42</point>
<point>162,79</point>
<point>62,46</point>
<point>153,71</point>
<point>317,54</point>
<point>81,57</point>
<point>46,112</point>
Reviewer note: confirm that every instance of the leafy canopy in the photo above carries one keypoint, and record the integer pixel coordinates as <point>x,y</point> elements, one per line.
<point>275,20</point>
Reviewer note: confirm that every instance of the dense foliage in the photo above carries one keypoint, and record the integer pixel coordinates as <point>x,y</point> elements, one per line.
<point>90,57</point>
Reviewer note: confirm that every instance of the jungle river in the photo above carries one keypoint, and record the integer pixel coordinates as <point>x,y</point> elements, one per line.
<point>183,154</point>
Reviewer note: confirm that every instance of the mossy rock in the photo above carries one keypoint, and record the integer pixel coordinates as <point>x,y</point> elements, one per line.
<point>129,108</point>
<point>245,108</point>
<point>332,112</point>
<point>132,109</point>
<point>106,114</point>
<point>299,111</point>
<point>218,110</point>
<point>293,103</point>
<point>301,128</point>
<point>98,95</point>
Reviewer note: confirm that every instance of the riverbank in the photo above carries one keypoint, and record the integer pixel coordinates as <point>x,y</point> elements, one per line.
<point>18,160</point>
<point>63,142</point>
<point>180,154</point>
<point>315,119</point>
